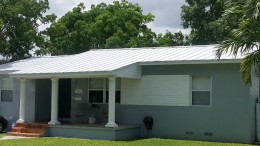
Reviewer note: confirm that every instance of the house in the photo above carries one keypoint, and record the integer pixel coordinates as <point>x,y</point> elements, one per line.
<point>187,91</point>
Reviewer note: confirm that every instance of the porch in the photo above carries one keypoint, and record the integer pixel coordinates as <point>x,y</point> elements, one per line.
<point>94,131</point>
<point>67,104</point>
<point>79,130</point>
<point>68,100</point>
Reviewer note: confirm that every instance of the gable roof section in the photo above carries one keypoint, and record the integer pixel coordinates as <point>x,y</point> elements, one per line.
<point>110,60</point>
<point>22,64</point>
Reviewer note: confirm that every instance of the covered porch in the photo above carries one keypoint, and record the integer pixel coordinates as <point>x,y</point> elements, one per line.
<point>72,98</point>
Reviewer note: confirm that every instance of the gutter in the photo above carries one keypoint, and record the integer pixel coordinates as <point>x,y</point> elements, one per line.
<point>62,75</point>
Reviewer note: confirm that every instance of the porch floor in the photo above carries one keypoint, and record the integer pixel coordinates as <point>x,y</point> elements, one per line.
<point>95,131</point>
<point>98,125</point>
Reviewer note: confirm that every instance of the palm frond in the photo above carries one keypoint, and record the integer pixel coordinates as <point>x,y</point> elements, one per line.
<point>256,12</point>
<point>251,60</point>
<point>245,40</point>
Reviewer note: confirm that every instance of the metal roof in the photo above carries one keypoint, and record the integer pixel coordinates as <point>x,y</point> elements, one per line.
<point>21,64</point>
<point>105,60</point>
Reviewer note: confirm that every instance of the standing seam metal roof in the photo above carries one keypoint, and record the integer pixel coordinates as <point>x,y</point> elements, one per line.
<point>99,60</point>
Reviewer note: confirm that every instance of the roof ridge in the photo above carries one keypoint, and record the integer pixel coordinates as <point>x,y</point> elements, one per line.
<point>144,48</point>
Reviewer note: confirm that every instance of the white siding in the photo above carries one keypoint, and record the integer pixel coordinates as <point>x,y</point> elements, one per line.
<point>163,90</point>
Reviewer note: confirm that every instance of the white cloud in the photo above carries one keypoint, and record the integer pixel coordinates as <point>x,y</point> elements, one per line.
<point>167,12</point>
<point>163,29</point>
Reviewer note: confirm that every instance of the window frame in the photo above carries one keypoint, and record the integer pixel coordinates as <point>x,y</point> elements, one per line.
<point>101,90</point>
<point>6,89</point>
<point>105,91</point>
<point>210,91</point>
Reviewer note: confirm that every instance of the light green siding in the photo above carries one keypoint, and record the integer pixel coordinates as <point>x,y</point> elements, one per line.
<point>229,117</point>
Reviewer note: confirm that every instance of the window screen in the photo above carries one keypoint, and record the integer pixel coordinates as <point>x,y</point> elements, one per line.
<point>200,97</point>
<point>7,89</point>
<point>201,90</point>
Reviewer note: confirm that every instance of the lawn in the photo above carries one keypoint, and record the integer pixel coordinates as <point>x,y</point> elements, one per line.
<point>2,134</point>
<point>79,142</point>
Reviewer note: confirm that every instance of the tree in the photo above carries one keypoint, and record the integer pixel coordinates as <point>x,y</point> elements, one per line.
<point>245,39</point>
<point>223,26</point>
<point>172,39</point>
<point>117,25</point>
<point>199,15</point>
<point>19,22</point>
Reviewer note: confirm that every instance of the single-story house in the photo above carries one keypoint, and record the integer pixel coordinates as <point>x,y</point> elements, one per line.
<point>187,92</point>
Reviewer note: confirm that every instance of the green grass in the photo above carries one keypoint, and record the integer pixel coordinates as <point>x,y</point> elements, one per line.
<point>79,142</point>
<point>2,134</point>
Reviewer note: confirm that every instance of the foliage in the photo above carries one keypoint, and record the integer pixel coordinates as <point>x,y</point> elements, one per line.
<point>223,26</point>
<point>245,39</point>
<point>80,142</point>
<point>172,39</point>
<point>199,15</point>
<point>19,22</point>
<point>117,25</point>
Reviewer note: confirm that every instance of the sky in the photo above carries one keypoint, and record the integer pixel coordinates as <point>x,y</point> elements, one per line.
<point>166,12</point>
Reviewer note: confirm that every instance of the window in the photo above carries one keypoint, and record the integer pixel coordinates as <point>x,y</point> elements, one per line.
<point>201,90</point>
<point>6,89</point>
<point>99,92</point>
<point>96,90</point>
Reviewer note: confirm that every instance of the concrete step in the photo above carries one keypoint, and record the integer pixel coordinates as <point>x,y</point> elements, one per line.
<point>33,125</point>
<point>24,134</point>
<point>29,129</point>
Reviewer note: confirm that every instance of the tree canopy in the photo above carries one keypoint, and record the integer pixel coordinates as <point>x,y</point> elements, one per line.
<point>19,22</point>
<point>199,15</point>
<point>117,25</point>
<point>171,39</point>
<point>245,39</point>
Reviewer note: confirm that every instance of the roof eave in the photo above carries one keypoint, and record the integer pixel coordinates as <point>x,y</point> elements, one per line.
<point>63,75</point>
<point>222,61</point>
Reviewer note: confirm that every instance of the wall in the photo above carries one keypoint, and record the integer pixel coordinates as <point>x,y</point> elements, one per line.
<point>10,110</point>
<point>79,106</point>
<point>228,119</point>
<point>254,91</point>
<point>30,101</point>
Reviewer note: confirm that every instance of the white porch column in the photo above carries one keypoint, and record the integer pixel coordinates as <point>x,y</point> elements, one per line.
<point>111,103</point>
<point>22,100</point>
<point>54,101</point>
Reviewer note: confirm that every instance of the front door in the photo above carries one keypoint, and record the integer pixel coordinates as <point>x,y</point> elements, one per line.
<point>64,98</point>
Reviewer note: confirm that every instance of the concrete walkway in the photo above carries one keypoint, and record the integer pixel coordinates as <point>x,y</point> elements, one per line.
<point>14,137</point>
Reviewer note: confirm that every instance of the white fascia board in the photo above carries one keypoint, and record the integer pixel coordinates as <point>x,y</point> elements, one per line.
<point>7,71</point>
<point>191,62</point>
<point>4,76</point>
<point>64,75</point>
<point>133,71</point>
